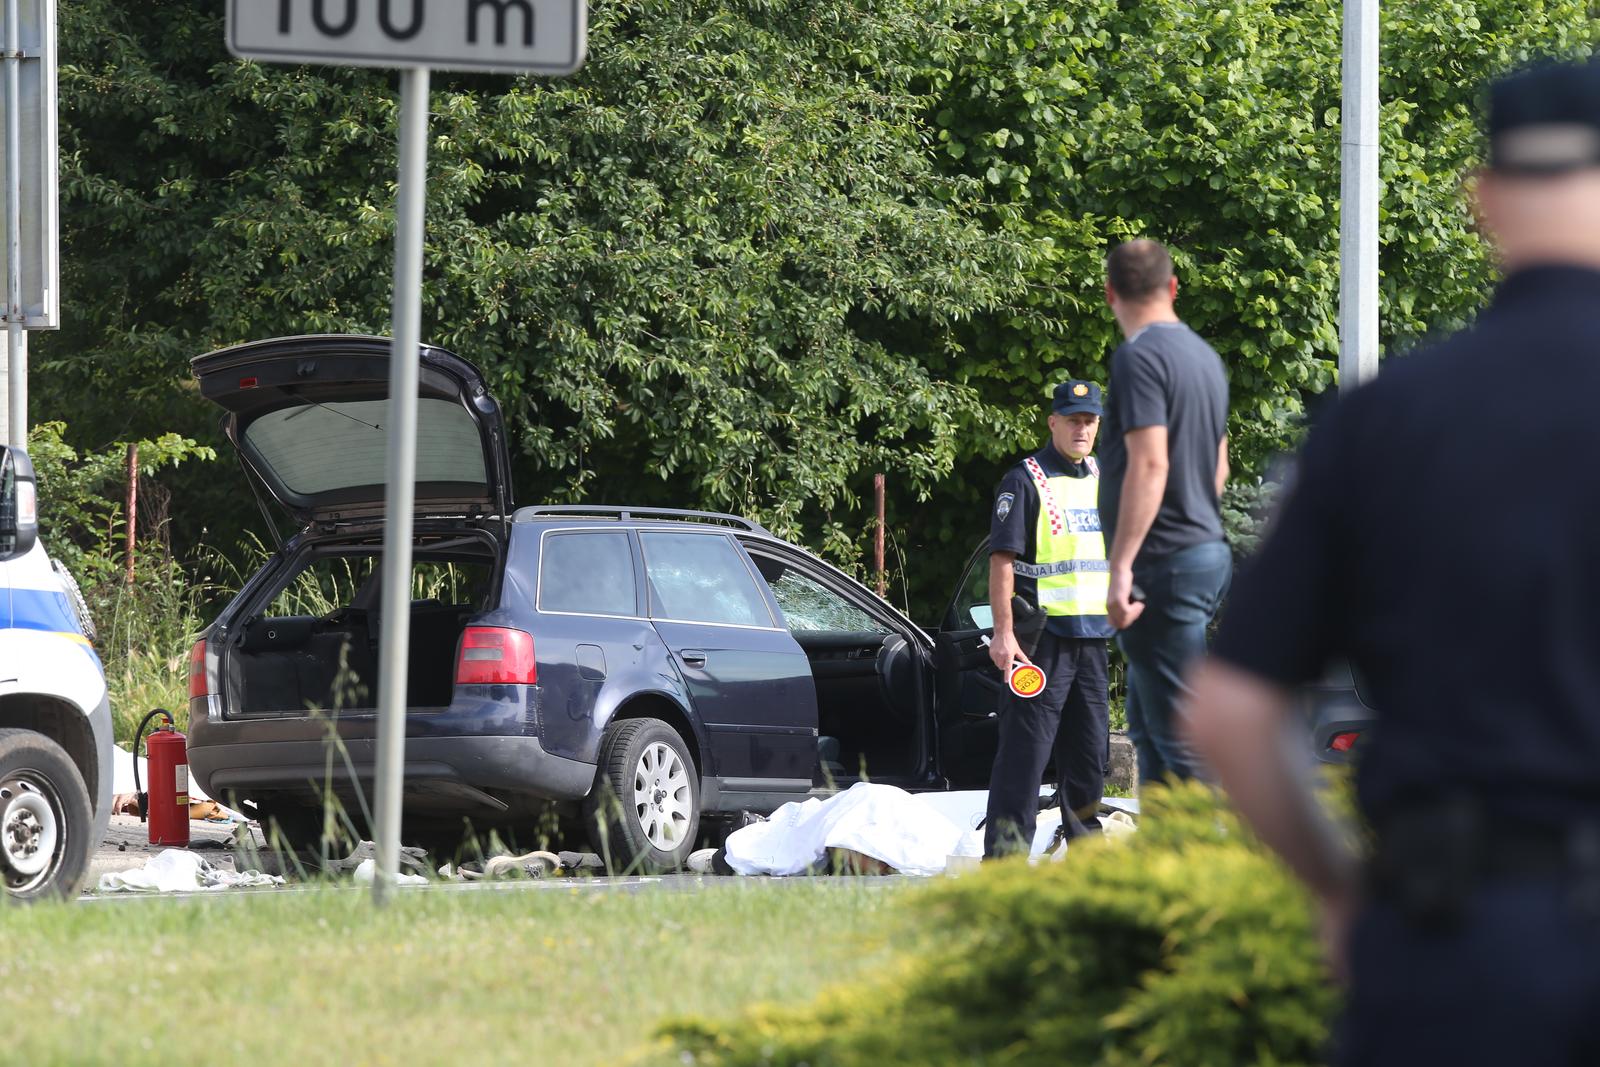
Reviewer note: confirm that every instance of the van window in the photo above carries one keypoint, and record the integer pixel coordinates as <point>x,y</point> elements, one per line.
<point>588,573</point>
<point>8,504</point>
<point>701,578</point>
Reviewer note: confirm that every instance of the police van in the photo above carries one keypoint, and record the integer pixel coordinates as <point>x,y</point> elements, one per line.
<point>55,714</point>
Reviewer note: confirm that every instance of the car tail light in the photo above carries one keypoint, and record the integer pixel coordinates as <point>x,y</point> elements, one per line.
<point>199,684</point>
<point>496,655</point>
<point>1345,742</point>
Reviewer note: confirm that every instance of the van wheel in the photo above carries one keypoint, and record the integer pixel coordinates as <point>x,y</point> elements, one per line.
<point>644,810</point>
<point>45,818</point>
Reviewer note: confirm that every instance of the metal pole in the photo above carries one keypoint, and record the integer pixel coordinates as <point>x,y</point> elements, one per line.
<point>403,362</point>
<point>133,510</point>
<point>877,534</point>
<point>16,340</point>
<point>1358,215</point>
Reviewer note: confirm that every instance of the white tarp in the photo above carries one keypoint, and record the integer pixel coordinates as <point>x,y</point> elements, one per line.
<point>912,833</point>
<point>880,821</point>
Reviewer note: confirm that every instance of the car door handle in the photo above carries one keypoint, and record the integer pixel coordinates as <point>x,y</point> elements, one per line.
<point>692,657</point>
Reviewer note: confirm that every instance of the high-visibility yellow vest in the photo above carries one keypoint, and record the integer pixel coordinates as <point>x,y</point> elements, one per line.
<point>1069,551</point>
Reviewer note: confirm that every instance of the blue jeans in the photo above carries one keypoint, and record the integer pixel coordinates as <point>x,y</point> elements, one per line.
<point>1182,592</point>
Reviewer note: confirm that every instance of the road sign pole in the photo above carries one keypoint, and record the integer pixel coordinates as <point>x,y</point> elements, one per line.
<point>16,339</point>
<point>403,361</point>
<point>1358,211</point>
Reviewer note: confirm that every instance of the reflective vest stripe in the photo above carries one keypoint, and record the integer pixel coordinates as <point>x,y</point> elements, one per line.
<point>1065,566</point>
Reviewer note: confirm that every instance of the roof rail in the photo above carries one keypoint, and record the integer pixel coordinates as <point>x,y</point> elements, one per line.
<point>625,513</point>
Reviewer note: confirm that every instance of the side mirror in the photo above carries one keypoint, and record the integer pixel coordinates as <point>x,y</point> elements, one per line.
<point>19,504</point>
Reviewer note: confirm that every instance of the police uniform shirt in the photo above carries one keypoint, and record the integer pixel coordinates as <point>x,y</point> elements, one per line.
<point>1014,527</point>
<point>1444,536</point>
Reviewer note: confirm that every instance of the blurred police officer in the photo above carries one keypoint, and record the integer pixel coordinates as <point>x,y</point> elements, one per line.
<point>1047,564</point>
<point>1444,535</point>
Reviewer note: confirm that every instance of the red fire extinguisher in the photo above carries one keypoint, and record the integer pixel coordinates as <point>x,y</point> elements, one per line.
<point>167,802</point>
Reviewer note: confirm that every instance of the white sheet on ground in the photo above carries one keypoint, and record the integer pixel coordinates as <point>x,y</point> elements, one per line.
<point>967,807</point>
<point>913,833</point>
<point>176,870</point>
<point>875,820</point>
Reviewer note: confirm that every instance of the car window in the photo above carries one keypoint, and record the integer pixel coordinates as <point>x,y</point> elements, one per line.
<point>972,603</point>
<point>809,605</point>
<point>588,572</point>
<point>296,443</point>
<point>323,586</point>
<point>701,578</point>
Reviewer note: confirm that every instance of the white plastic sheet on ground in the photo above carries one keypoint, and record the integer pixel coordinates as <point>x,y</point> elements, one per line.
<point>913,833</point>
<point>176,870</point>
<point>880,821</point>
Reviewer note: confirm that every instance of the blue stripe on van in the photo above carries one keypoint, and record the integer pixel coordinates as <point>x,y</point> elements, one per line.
<point>50,611</point>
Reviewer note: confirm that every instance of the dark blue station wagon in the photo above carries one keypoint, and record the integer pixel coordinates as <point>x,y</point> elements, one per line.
<point>647,668</point>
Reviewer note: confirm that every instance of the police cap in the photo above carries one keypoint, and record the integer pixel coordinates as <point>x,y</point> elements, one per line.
<point>1076,398</point>
<point>1546,120</point>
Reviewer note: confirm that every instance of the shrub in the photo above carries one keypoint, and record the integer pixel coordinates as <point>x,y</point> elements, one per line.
<point>145,626</point>
<point>1184,944</point>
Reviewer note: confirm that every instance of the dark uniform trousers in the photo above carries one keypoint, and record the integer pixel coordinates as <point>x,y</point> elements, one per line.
<point>1516,981</point>
<point>1070,718</point>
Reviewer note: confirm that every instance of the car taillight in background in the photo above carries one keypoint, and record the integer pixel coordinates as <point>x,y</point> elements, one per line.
<point>1344,742</point>
<point>496,655</point>
<point>199,684</point>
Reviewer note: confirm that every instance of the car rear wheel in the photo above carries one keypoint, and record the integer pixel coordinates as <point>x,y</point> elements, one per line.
<point>644,810</point>
<point>45,818</point>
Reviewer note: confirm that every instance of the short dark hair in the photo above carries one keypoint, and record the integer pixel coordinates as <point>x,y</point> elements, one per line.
<point>1138,270</point>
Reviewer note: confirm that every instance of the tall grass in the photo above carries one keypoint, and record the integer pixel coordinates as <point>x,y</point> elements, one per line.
<point>145,630</point>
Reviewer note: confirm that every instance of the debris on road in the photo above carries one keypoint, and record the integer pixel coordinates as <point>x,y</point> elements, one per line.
<point>177,870</point>
<point>367,871</point>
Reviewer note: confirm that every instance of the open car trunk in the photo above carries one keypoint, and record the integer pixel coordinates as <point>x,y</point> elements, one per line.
<point>308,640</point>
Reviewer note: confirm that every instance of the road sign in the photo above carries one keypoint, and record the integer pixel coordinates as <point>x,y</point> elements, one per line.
<point>30,265</point>
<point>508,36</point>
<point>36,159</point>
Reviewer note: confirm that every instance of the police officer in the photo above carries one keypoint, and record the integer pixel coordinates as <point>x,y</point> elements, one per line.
<point>1444,536</point>
<point>1047,587</point>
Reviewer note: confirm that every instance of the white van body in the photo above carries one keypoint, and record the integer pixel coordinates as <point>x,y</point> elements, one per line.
<point>51,685</point>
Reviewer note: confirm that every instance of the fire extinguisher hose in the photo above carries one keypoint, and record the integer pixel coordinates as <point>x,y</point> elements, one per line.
<point>138,735</point>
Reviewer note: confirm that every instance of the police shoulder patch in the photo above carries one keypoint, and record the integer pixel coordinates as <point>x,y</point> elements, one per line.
<point>1002,506</point>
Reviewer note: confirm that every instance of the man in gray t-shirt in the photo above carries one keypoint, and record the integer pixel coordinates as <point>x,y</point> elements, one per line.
<point>1164,461</point>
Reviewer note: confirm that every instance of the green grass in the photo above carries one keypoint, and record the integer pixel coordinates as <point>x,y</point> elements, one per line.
<point>569,976</point>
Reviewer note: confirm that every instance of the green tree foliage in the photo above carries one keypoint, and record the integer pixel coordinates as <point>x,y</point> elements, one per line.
<point>1185,944</point>
<point>1214,127</point>
<point>757,250</point>
<point>81,513</point>
<point>707,270</point>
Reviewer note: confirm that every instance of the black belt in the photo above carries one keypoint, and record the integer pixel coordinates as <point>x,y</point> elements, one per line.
<point>1435,855</point>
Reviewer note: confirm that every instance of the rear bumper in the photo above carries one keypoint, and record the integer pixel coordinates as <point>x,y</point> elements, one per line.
<point>449,774</point>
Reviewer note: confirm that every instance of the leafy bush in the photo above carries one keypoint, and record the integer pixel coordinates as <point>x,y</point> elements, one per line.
<point>1184,944</point>
<point>145,627</point>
